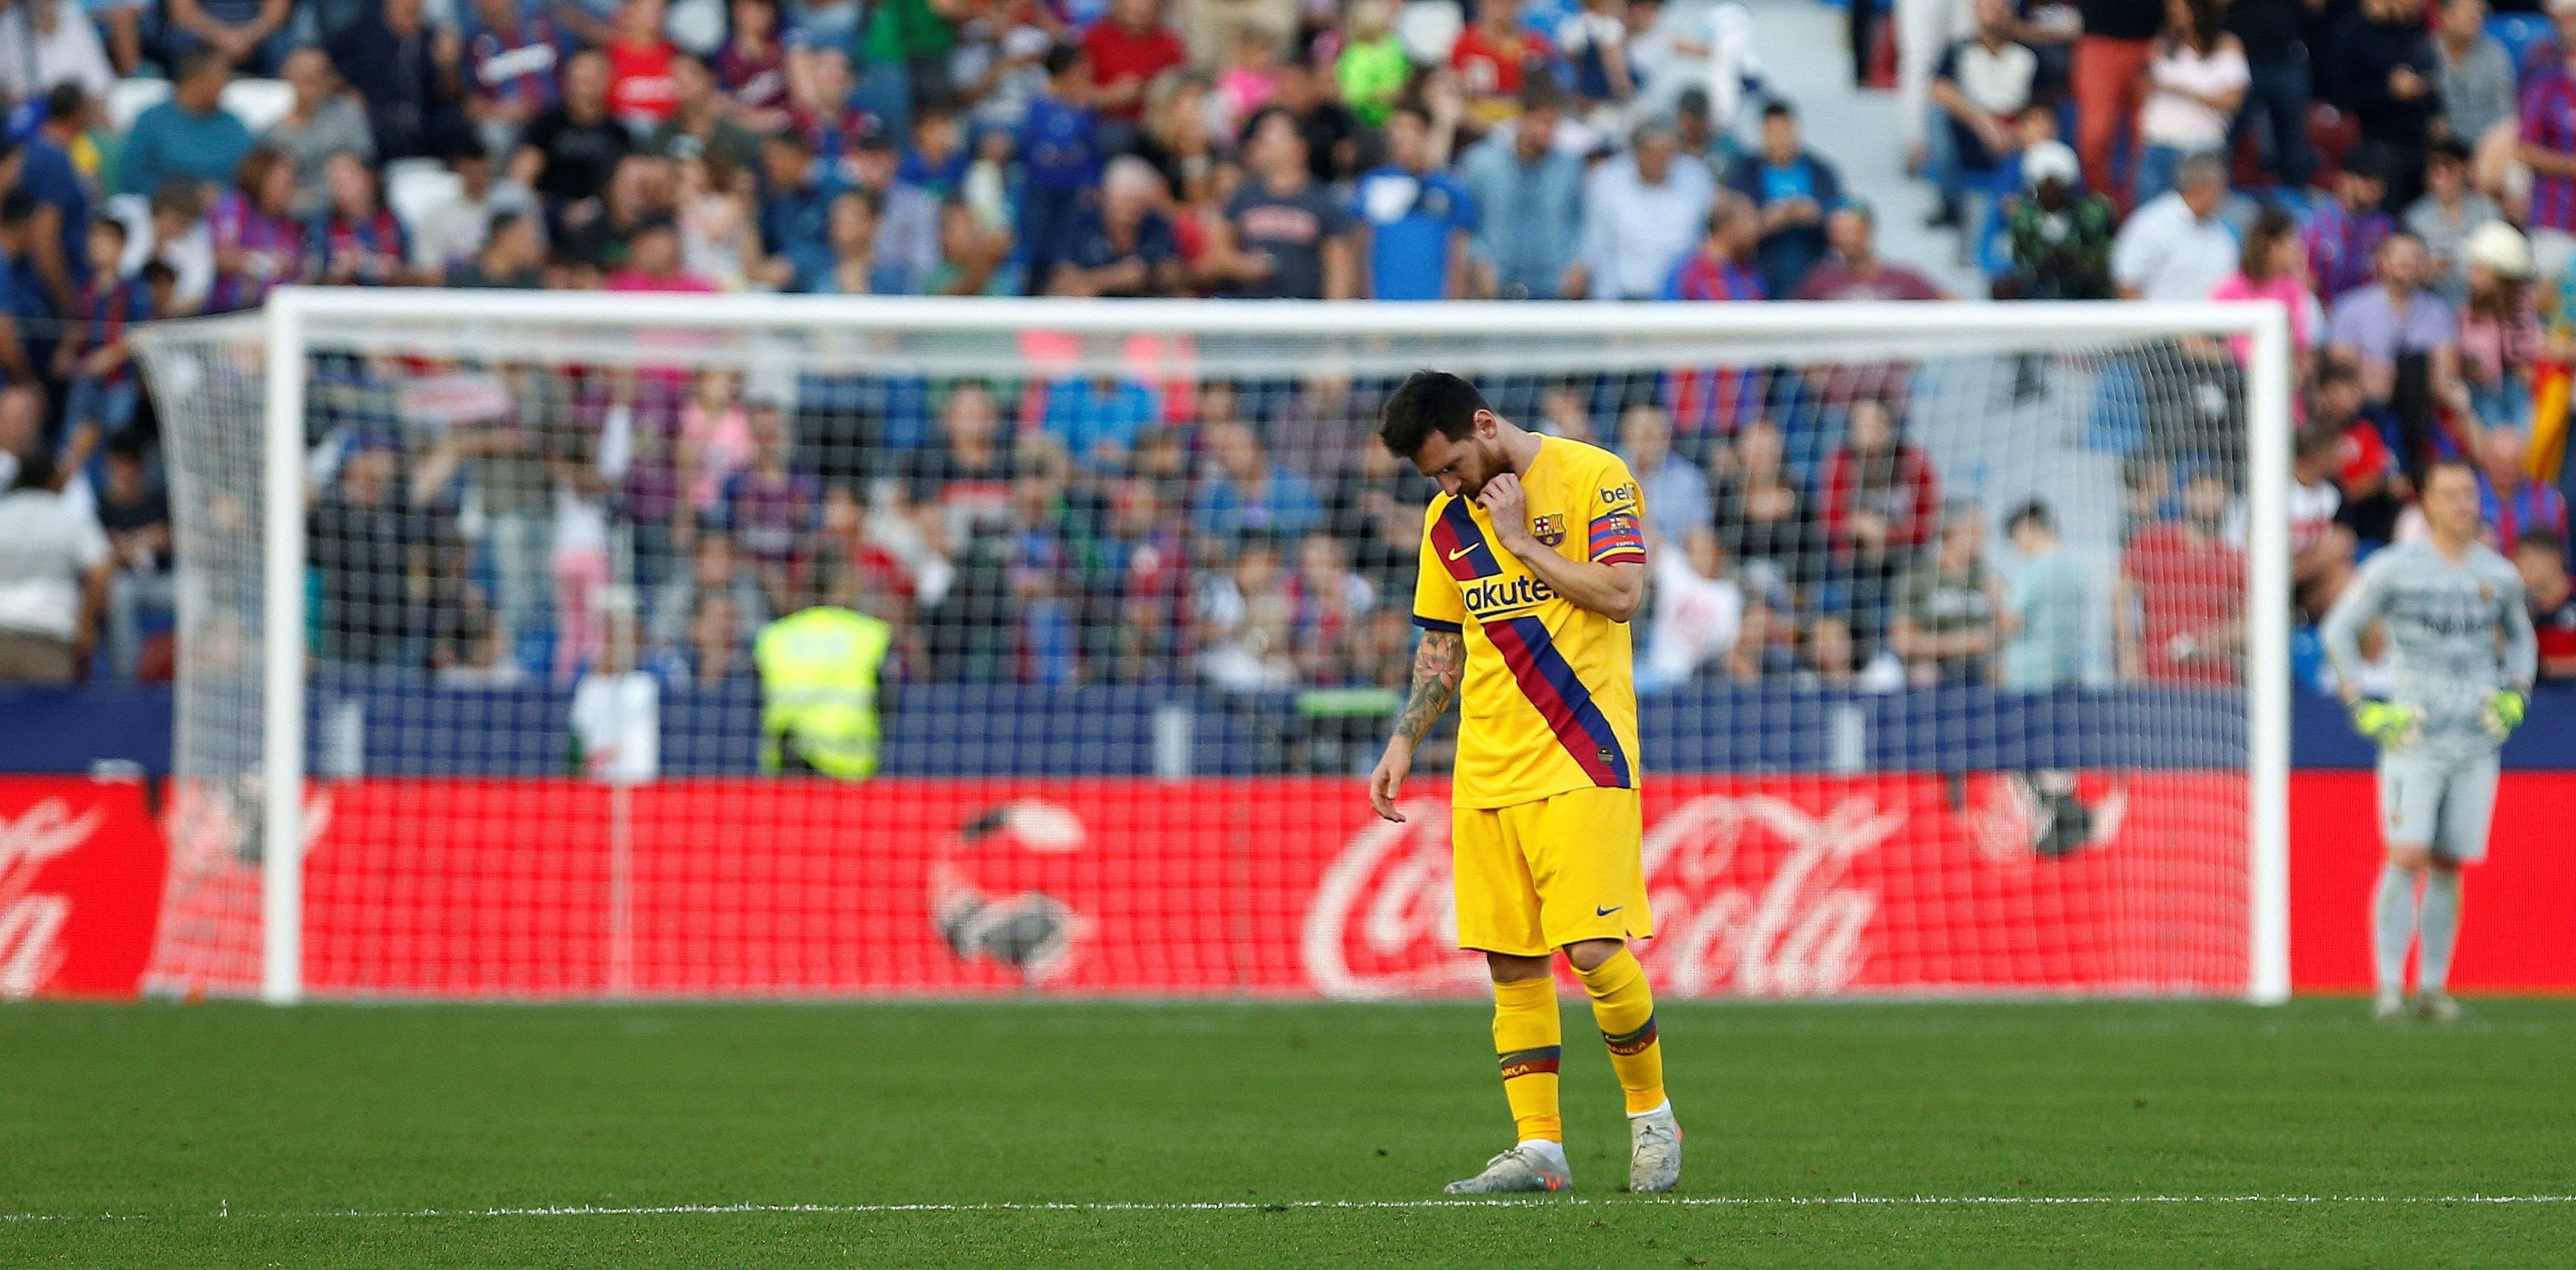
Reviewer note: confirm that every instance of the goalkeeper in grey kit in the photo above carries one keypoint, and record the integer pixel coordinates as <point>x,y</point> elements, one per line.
<point>2461,657</point>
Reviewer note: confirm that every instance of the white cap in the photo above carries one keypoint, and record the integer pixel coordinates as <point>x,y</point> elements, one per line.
<point>2055,158</point>
<point>2499,246</point>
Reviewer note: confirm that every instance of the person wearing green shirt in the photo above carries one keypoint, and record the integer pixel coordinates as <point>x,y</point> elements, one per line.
<point>1373,69</point>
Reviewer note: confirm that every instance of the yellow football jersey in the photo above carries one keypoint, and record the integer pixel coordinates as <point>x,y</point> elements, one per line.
<point>1549,702</point>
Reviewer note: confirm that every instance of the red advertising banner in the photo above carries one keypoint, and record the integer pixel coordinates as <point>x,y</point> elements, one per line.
<point>1762,886</point>
<point>81,867</point>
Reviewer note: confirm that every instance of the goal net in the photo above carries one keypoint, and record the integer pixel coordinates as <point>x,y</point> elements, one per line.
<point>1963,670</point>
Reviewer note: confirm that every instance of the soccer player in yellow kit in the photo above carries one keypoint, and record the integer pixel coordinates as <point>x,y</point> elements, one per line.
<point>1533,560</point>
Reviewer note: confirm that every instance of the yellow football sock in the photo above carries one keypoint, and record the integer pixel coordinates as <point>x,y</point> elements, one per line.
<point>1530,1038</point>
<point>1625,1008</point>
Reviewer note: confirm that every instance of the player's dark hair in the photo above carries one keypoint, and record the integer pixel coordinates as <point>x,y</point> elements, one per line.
<point>1428,401</point>
<point>2033,513</point>
<point>2460,466</point>
<point>2542,540</point>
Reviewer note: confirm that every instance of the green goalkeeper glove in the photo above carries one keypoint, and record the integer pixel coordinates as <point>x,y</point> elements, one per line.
<point>2503,712</point>
<point>2391,725</point>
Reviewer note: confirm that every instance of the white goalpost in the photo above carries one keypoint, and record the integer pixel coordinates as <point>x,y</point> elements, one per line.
<point>470,583</point>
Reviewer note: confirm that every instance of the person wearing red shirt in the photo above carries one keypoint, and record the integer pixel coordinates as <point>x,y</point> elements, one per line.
<point>641,90</point>
<point>2179,609</point>
<point>1492,59</point>
<point>1881,501</point>
<point>1127,50</point>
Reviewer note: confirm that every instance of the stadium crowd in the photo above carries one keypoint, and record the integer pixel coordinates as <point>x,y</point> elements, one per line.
<point>2403,179</point>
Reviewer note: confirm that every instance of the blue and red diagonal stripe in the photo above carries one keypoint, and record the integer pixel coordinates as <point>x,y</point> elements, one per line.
<point>1616,538</point>
<point>1461,544</point>
<point>1551,685</point>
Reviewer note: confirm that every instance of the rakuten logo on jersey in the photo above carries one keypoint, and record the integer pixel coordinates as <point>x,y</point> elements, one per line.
<point>1750,893</point>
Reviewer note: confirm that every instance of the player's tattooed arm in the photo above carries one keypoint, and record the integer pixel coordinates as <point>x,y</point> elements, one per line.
<point>1437,667</point>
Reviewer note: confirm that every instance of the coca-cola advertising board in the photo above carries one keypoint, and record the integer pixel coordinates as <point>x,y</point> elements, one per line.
<point>1786,886</point>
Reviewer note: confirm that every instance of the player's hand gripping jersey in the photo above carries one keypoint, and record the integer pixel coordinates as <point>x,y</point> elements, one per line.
<point>1548,703</point>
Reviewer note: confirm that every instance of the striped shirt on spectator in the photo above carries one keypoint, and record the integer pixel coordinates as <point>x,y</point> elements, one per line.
<point>107,306</point>
<point>272,248</point>
<point>1707,397</point>
<point>2341,245</point>
<point>2549,123</point>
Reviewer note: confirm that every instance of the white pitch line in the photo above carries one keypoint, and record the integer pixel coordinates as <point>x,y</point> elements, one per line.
<point>1219,1206</point>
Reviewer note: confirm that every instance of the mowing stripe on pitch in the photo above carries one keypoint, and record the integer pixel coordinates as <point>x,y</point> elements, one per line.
<point>1257,1206</point>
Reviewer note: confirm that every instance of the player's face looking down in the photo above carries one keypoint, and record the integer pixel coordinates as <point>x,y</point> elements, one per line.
<point>1462,466</point>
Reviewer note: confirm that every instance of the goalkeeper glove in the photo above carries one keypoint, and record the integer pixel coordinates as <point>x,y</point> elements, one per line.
<point>2503,712</point>
<point>2391,725</point>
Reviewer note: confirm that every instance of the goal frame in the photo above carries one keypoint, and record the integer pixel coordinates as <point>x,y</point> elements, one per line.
<point>294,315</point>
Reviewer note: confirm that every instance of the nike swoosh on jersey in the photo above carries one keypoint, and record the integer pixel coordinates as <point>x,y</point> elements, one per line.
<point>1462,551</point>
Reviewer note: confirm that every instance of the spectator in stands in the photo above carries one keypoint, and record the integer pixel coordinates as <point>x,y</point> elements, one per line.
<point>1245,492</point>
<point>191,134</point>
<point>2373,486</point>
<point>1947,627</point>
<point>2447,213</point>
<point>1126,51</point>
<point>771,508</point>
<point>451,230</point>
<point>1855,270</point>
<point>1148,542</point>
<point>54,568</point>
<point>1119,245</point>
<point>1328,127</point>
<point>1529,200</point>
<point>46,44</point>
<point>2196,81</point>
<point>715,571</point>
<point>1677,497</point>
<point>1698,615</point>
<point>1246,619</point>
<point>2474,78</point>
<point>2500,335</point>
<point>1493,59</point>
<point>1326,424</point>
<point>509,72</point>
<point>1765,522</point>
<point>95,361</point>
<point>567,153</point>
<point>1283,235</point>
<point>703,124</point>
<point>2344,232</point>
<point>2109,79</point>
<point>2379,326</point>
<point>2176,248</point>
<point>1881,501</point>
<point>718,651</point>
<point>58,246</point>
<point>2059,235</point>
<point>2047,606</point>
<point>857,269</point>
<point>2273,266</point>
<point>936,161</point>
<point>2178,610</point>
<point>366,543</point>
<point>1414,219</point>
<point>2274,34</point>
<point>1061,153</point>
<point>1981,86</point>
<point>134,510</point>
<point>2321,546</point>
<point>512,258</point>
<point>1724,266</point>
<point>2381,67</point>
<point>959,488</point>
<point>973,260</point>
<point>795,213</point>
<point>751,68</point>
<point>257,240</point>
<point>1333,604</point>
<point>178,239</point>
<point>1793,187</point>
<point>641,90</point>
<point>249,34</point>
<point>323,121</point>
<point>412,76</point>
<point>2541,558</point>
<point>2547,146</point>
<point>25,322</point>
<point>907,235</point>
<point>359,241</point>
<point>2510,503</point>
<point>1097,417</point>
<point>1641,211</point>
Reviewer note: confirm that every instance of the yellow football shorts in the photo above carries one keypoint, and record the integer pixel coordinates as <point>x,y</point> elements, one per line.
<point>1534,877</point>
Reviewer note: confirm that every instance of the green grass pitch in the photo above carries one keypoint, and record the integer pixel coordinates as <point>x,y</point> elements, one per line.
<point>2197,1133</point>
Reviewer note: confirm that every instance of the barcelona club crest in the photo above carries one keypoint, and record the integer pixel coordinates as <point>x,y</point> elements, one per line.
<point>1548,529</point>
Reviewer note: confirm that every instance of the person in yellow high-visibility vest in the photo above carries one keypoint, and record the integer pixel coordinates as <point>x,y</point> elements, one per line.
<point>818,692</point>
